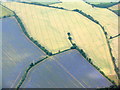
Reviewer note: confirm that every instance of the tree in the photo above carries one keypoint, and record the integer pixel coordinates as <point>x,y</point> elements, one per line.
<point>76,10</point>
<point>59,51</point>
<point>92,6</point>
<point>31,64</point>
<point>111,37</point>
<point>90,60</point>
<point>68,33</point>
<point>70,38</point>
<point>74,46</point>
<point>50,53</point>
<point>105,33</point>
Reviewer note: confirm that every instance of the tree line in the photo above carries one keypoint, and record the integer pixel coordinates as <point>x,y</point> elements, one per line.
<point>31,38</point>
<point>82,52</point>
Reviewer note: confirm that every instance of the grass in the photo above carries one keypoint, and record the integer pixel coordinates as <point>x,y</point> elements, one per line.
<point>49,27</point>
<point>4,12</point>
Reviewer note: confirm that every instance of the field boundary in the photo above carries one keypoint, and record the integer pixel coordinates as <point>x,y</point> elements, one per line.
<point>34,64</point>
<point>104,7</point>
<point>84,55</point>
<point>93,5</point>
<point>27,71</point>
<point>106,36</point>
<point>6,15</point>
<point>115,12</point>
<point>39,3</point>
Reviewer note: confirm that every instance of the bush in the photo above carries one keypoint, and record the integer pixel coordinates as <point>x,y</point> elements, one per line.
<point>50,53</point>
<point>89,60</point>
<point>73,47</point>
<point>31,64</point>
<point>105,33</point>
<point>69,38</point>
<point>68,34</point>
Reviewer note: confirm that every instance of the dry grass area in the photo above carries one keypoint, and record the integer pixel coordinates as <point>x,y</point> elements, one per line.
<point>49,27</point>
<point>4,12</point>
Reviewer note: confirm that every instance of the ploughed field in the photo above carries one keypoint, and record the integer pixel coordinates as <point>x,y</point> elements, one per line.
<point>49,26</point>
<point>66,70</point>
<point>17,53</point>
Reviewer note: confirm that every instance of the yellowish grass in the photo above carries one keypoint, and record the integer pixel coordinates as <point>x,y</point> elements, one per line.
<point>49,27</point>
<point>115,7</point>
<point>4,11</point>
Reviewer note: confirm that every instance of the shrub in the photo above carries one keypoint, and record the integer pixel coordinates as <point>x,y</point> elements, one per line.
<point>68,34</point>
<point>69,38</point>
<point>31,64</point>
<point>50,53</point>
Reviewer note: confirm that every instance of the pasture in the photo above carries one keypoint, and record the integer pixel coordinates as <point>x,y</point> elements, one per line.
<point>4,12</point>
<point>66,70</point>
<point>49,26</point>
<point>17,53</point>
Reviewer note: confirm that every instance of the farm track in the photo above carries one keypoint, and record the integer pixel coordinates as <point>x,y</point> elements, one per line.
<point>65,50</point>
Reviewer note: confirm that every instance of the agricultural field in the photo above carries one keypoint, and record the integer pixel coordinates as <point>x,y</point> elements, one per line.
<point>109,22</point>
<point>58,23</point>
<point>17,53</point>
<point>4,12</point>
<point>103,4</point>
<point>66,70</point>
<point>116,9</point>
<point>105,17</point>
